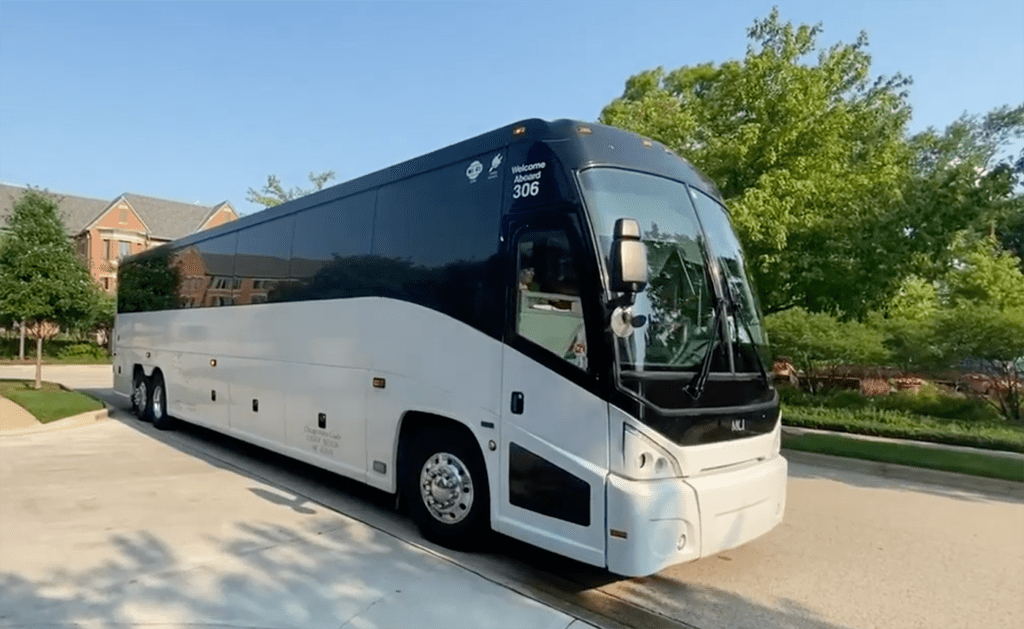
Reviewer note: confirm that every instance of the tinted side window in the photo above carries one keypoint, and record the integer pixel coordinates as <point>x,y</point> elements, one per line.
<point>150,283</point>
<point>436,241</point>
<point>331,244</point>
<point>262,262</point>
<point>207,272</point>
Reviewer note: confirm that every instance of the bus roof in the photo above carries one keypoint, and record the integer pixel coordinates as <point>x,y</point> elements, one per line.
<point>578,144</point>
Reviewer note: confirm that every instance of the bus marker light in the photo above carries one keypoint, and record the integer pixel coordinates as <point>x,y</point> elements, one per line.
<point>519,131</point>
<point>378,383</point>
<point>492,446</point>
<point>213,362</point>
<point>681,544</point>
<point>584,130</point>
<point>647,143</point>
<point>618,533</point>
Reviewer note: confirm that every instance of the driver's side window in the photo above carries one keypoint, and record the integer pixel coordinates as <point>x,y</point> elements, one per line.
<point>549,310</point>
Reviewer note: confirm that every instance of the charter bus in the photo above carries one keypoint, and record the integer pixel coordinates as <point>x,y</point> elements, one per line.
<point>547,331</point>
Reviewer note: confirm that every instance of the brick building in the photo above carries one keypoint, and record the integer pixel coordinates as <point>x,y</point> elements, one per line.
<point>103,232</point>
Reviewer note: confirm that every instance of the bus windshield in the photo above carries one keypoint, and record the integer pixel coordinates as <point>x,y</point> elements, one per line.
<point>677,302</point>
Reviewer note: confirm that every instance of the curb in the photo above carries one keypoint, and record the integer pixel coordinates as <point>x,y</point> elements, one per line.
<point>75,421</point>
<point>954,480</point>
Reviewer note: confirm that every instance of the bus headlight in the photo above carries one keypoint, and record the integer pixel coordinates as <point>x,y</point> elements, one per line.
<point>642,459</point>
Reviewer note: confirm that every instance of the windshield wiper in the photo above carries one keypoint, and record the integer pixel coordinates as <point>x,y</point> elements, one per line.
<point>695,388</point>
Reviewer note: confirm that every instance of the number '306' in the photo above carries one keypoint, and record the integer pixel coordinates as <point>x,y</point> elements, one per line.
<point>528,189</point>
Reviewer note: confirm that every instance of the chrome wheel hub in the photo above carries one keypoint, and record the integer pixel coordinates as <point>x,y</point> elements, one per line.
<point>139,395</point>
<point>446,488</point>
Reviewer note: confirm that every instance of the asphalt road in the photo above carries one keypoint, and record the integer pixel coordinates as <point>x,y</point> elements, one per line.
<point>854,550</point>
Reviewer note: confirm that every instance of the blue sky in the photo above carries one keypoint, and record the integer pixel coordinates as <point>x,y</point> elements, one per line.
<point>198,101</point>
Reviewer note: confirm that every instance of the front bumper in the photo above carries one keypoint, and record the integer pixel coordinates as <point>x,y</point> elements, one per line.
<point>656,524</point>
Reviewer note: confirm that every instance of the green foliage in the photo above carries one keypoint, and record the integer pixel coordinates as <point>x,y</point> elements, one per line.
<point>810,153</point>
<point>273,193</point>
<point>836,206</point>
<point>903,425</point>
<point>83,350</point>
<point>929,402</point>
<point>986,274</point>
<point>41,278</point>
<point>819,343</point>
<point>994,339</point>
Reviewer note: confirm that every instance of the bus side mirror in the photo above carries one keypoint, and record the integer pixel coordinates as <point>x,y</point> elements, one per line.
<point>629,258</point>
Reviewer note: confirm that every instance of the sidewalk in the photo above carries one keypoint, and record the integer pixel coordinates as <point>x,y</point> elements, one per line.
<point>13,417</point>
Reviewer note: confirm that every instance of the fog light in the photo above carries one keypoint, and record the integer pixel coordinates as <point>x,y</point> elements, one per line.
<point>681,544</point>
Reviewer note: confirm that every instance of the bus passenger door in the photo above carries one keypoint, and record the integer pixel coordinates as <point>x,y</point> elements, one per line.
<point>554,431</point>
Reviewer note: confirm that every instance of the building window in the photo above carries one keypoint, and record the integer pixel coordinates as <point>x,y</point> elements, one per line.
<point>125,249</point>
<point>108,250</point>
<point>106,283</point>
<point>123,219</point>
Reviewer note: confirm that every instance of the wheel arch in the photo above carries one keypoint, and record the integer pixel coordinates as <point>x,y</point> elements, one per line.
<point>414,422</point>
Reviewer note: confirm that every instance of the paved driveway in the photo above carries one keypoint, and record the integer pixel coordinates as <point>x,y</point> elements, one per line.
<point>108,526</point>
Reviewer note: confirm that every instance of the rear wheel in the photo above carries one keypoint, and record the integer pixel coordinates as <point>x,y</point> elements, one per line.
<point>157,408</point>
<point>140,394</point>
<point>446,489</point>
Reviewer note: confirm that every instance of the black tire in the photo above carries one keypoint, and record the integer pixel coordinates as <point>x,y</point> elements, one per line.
<point>459,516</point>
<point>156,409</point>
<point>140,394</point>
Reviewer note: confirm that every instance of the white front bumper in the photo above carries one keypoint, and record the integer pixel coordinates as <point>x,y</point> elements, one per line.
<point>675,520</point>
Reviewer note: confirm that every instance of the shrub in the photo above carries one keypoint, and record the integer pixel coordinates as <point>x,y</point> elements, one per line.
<point>82,350</point>
<point>821,345</point>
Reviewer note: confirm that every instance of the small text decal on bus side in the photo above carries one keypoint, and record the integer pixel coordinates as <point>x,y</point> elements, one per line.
<point>527,181</point>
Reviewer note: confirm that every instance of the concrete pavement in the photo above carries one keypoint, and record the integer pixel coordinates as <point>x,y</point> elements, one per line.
<point>105,526</point>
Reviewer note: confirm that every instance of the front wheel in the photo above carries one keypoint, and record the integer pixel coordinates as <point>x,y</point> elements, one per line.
<point>446,489</point>
<point>157,408</point>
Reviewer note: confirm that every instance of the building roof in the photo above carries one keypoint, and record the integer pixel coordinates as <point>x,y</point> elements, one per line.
<point>167,220</point>
<point>170,219</point>
<point>76,212</point>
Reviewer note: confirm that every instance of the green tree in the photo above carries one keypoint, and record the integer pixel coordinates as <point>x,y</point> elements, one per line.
<point>809,151</point>
<point>273,193</point>
<point>983,274</point>
<point>994,338</point>
<point>42,282</point>
<point>963,181</point>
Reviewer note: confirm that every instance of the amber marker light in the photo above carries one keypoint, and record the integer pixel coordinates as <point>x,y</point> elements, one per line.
<point>519,131</point>
<point>584,130</point>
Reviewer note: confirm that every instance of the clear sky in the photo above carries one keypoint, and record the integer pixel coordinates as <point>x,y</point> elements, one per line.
<point>197,101</point>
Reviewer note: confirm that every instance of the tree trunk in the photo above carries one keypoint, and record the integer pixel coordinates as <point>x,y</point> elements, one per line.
<point>21,346</point>
<point>39,362</point>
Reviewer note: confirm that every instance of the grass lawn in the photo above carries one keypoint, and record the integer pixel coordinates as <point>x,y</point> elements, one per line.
<point>49,403</point>
<point>991,435</point>
<point>962,462</point>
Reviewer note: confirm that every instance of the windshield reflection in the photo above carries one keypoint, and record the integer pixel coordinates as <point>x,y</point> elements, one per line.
<point>677,300</point>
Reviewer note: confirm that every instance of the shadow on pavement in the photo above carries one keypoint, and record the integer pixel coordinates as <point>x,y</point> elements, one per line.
<point>267,583</point>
